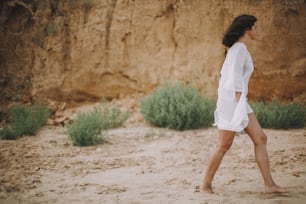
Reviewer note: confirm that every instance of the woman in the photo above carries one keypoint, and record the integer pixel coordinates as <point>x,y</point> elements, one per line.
<point>233,113</point>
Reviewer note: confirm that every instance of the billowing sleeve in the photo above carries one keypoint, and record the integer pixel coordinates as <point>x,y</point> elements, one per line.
<point>237,59</point>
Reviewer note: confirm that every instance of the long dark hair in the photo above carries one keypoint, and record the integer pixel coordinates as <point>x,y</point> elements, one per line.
<point>237,28</point>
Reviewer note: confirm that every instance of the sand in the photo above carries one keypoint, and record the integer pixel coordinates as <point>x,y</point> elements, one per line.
<point>143,164</point>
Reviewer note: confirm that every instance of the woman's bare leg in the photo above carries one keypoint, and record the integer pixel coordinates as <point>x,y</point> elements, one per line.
<point>225,141</point>
<point>259,139</point>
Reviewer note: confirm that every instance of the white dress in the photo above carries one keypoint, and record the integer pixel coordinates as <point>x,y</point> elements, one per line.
<point>237,68</point>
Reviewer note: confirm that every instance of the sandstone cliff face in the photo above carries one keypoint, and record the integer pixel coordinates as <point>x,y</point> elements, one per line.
<point>79,52</point>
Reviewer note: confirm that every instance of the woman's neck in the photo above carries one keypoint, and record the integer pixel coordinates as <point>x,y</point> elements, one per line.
<point>245,39</point>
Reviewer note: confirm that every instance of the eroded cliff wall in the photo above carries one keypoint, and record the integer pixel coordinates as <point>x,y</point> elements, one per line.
<point>79,51</point>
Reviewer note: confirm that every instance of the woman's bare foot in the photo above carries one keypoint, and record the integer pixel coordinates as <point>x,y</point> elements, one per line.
<point>207,188</point>
<point>276,189</point>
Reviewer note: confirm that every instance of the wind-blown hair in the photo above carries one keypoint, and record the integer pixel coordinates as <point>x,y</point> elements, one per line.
<point>237,28</point>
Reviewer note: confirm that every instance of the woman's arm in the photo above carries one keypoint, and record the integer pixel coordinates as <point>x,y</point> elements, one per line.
<point>236,60</point>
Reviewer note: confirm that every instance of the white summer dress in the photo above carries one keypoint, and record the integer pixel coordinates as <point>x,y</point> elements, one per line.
<point>237,68</point>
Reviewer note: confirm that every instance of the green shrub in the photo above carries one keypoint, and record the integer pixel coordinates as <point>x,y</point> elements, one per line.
<point>3,115</point>
<point>88,128</point>
<point>177,106</point>
<point>279,116</point>
<point>112,117</point>
<point>24,119</point>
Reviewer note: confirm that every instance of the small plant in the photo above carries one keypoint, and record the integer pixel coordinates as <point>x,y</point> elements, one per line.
<point>86,129</point>
<point>177,106</point>
<point>153,133</point>
<point>24,119</point>
<point>112,117</point>
<point>89,128</point>
<point>280,116</point>
<point>3,115</point>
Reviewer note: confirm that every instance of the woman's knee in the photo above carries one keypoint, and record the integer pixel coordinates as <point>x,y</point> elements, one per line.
<point>261,139</point>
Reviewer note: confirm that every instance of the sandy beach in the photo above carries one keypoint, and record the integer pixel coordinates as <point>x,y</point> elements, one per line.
<point>144,164</point>
<point>70,54</point>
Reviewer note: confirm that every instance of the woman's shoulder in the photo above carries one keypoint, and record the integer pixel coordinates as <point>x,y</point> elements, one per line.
<point>239,47</point>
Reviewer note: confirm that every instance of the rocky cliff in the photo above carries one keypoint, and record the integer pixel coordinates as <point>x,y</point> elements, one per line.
<point>77,51</point>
